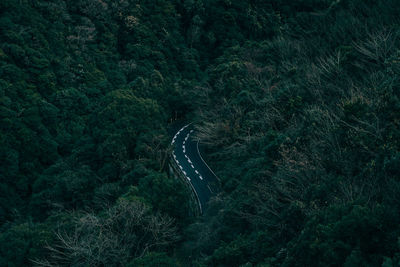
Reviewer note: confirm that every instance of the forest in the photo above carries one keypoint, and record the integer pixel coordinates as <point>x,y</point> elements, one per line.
<point>296,105</point>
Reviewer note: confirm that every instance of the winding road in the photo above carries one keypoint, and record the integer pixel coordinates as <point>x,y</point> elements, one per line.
<point>186,155</point>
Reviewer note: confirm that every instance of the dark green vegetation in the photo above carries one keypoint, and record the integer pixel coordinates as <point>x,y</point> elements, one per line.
<point>298,103</point>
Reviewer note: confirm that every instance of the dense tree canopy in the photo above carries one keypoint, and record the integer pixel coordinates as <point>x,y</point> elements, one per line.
<point>296,104</point>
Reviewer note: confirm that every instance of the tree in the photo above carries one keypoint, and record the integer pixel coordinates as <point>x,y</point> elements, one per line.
<point>124,231</point>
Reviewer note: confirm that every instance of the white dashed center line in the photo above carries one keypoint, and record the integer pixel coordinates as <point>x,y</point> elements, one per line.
<point>184,153</point>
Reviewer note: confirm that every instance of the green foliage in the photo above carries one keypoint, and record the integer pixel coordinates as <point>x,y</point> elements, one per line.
<point>354,235</point>
<point>23,242</point>
<point>297,105</point>
<point>167,195</point>
<point>153,259</point>
<point>300,130</point>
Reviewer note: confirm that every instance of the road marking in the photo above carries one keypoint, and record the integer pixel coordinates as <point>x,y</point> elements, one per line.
<point>173,140</point>
<point>176,135</point>
<point>198,152</point>
<point>210,189</point>
<point>184,152</point>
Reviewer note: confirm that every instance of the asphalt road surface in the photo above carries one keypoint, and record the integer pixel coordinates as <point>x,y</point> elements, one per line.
<point>187,155</point>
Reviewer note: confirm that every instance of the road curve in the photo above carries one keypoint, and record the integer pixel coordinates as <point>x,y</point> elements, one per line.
<point>187,156</point>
